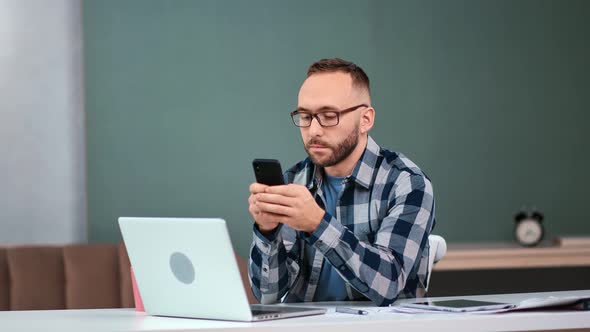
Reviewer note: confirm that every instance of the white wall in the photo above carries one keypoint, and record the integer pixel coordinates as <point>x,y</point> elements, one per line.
<point>42,136</point>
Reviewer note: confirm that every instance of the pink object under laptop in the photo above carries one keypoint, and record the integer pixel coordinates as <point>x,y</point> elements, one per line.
<point>136,296</point>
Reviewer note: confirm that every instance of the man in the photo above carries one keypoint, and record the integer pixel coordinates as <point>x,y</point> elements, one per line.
<point>354,220</point>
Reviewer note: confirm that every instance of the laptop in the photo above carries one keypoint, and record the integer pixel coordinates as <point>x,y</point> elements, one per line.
<point>185,267</point>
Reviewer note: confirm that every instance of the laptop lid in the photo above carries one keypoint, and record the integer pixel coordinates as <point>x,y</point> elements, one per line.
<point>185,267</point>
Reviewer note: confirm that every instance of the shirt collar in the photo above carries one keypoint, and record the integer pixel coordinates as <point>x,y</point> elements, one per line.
<point>365,167</point>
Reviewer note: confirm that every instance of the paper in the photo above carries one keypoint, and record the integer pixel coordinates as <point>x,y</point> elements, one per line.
<point>550,301</point>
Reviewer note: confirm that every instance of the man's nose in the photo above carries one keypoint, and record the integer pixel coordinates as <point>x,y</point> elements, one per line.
<point>315,129</point>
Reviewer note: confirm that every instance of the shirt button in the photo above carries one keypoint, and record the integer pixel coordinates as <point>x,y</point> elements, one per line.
<point>264,269</point>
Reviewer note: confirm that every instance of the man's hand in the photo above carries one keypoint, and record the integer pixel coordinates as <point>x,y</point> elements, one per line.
<point>288,204</point>
<point>264,222</point>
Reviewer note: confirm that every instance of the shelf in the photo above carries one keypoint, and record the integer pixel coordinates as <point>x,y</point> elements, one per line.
<point>482,256</point>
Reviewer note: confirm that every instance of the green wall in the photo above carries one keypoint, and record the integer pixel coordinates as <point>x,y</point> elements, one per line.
<point>490,98</point>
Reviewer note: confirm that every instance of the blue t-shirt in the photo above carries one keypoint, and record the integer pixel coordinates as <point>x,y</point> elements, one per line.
<point>331,286</point>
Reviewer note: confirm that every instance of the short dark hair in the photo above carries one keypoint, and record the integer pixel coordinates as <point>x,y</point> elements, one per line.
<point>359,77</point>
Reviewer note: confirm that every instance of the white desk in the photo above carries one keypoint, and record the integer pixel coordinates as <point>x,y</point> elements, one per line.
<point>130,320</point>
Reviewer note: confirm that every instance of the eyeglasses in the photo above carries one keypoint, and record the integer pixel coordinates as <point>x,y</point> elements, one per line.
<point>325,119</point>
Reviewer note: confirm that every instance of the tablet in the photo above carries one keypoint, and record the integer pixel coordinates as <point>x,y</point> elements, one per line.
<point>458,305</point>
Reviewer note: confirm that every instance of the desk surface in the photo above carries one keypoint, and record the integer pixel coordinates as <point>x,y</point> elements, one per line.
<point>130,320</point>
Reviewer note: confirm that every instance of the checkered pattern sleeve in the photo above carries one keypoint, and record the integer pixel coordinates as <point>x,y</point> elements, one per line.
<point>380,270</point>
<point>272,264</point>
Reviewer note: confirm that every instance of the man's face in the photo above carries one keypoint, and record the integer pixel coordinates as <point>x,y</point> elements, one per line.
<point>328,146</point>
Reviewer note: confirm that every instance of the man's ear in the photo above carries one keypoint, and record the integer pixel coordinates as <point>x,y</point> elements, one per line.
<point>367,120</point>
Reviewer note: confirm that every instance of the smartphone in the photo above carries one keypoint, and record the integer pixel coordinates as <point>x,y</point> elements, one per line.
<point>268,171</point>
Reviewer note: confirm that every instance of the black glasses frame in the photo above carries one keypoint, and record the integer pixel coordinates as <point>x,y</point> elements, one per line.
<point>315,116</point>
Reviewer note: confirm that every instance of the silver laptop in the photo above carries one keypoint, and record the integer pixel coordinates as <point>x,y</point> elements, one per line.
<point>185,267</point>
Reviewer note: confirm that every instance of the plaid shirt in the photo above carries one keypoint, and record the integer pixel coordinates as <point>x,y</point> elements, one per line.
<point>377,241</point>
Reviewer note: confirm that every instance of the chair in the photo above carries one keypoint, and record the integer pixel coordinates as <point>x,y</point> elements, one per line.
<point>438,249</point>
<point>64,276</point>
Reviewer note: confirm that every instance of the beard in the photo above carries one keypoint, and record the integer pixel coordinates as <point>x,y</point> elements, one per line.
<point>339,152</point>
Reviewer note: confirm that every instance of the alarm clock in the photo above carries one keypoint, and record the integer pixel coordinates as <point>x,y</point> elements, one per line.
<point>528,229</point>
